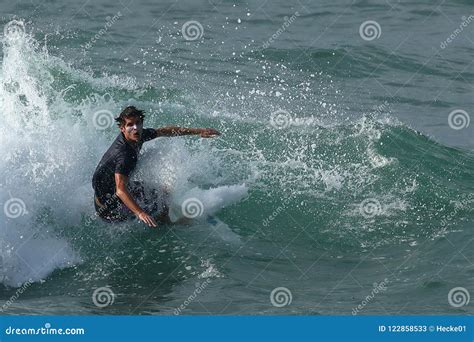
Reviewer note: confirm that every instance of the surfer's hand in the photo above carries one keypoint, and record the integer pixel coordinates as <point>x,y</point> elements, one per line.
<point>147,219</point>
<point>209,133</point>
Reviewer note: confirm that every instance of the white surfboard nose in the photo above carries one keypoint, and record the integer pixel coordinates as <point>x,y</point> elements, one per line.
<point>199,204</point>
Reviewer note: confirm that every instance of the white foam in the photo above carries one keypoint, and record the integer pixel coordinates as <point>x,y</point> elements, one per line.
<point>208,201</point>
<point>41,155</point>
<point>50,148</point>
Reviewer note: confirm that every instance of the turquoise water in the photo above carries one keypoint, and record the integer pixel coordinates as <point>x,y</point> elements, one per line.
<point>340,175</point>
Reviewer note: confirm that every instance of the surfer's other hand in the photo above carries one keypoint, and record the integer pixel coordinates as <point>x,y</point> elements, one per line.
<point>209,133</point>
<point>147,219</point>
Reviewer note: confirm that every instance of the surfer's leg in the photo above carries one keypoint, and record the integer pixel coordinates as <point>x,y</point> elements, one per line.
<point>160,204</point>
<point>153,201</point>
<point>111,209</point>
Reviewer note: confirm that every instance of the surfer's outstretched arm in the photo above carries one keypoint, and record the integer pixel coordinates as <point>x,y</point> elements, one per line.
<point>123,193</point>
<point>174,131</point>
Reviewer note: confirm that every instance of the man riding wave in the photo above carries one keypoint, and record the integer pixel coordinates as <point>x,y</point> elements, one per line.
<point>117,199</point>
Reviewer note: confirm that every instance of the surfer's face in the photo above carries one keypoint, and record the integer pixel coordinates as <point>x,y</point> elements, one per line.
<point>132,129</point>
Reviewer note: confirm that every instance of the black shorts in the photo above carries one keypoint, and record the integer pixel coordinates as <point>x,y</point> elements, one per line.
<point>110,207</point>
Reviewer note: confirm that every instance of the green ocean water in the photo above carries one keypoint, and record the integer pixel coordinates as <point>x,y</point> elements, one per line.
<point>340,184</point>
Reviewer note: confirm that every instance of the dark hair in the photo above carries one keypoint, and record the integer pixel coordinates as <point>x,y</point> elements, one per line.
<point>129,112</point>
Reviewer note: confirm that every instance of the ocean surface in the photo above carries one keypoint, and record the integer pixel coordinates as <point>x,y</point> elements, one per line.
<point>342,182</point>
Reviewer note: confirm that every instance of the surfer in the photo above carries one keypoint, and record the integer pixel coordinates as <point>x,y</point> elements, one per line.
<point>115,198</point>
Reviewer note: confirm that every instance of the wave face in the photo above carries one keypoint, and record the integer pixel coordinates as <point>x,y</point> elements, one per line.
<point>287,187</point>
<point>57,122</point>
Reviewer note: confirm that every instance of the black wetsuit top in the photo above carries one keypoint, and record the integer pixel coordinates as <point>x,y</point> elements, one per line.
<point>121,157</point>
